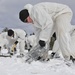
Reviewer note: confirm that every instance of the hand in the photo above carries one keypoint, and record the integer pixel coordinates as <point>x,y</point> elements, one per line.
<point>52,54</point>
<point>13,49</point>
<point>16,42</point>
<point>42,43</point>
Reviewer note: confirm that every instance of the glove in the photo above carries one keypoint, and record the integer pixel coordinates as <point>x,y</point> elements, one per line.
<point>16,42</point>
<point>13,49</point>
<point>52,55</point>
<point>42,43</point>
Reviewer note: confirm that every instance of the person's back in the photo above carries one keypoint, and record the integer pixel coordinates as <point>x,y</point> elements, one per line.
<point>20,32</point>
<point>54,9</point>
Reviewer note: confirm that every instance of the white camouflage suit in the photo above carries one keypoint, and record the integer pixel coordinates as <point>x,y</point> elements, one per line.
<point>49,17</point>
<point>56,47</point>
<point>19,35</point>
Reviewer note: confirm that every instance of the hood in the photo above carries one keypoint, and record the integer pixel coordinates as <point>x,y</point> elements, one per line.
<point>29,7</point>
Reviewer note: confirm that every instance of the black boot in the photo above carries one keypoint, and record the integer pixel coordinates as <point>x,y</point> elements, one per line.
<point>73,59</point>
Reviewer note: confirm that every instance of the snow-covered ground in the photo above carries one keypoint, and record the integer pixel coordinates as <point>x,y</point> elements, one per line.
<point>17,66</point>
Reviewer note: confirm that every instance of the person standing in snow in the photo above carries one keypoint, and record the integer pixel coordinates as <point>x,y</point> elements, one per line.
<point>47,18</point>
<point>15,36</point>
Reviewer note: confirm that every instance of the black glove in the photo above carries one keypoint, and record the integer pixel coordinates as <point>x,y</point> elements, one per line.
<point>42,43</point>
<point>52,55</point>
<point>16,42</point>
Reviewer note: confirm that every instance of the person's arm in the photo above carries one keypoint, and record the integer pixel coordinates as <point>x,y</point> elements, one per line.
<point>44,21</point>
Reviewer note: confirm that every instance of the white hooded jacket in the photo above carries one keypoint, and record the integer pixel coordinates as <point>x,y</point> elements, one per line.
<point>43,16</point>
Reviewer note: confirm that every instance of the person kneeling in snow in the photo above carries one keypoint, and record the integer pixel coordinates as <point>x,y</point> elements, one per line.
<point>15,36</point>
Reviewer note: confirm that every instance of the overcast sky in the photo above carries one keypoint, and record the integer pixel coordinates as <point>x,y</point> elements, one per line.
<point>9,10</point>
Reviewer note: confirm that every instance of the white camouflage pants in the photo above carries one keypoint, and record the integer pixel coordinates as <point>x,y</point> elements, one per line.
<point>62,25</point>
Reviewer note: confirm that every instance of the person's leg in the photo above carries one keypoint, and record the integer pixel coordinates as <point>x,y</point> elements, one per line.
<point>22,46</point>
<point>56,50</point>
<point>9,45</point>
<point>63,35</point>
<point>73,42</point>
